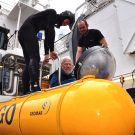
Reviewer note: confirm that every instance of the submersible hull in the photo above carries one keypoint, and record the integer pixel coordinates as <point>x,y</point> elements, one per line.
<point>88,106</point>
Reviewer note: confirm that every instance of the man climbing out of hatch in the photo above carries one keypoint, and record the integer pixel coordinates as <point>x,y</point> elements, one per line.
<point>67,73</point>
<point>46,20</point>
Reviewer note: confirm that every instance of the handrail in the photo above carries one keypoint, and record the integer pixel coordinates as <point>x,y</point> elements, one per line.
<point>129,42</point>
<point>80,6</point>
<point>59,70</point>
<point>130,2</point>
<point>40,76</point>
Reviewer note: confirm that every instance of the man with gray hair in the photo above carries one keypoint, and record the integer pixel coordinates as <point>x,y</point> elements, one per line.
<point>67,74</point>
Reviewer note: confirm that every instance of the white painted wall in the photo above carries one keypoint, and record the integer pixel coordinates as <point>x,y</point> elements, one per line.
<point>126,15</point>
<point>117,32</point>
<point>8,23</point>
<point>11,25</point>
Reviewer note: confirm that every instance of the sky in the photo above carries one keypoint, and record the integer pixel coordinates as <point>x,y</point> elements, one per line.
<point>61,5</point>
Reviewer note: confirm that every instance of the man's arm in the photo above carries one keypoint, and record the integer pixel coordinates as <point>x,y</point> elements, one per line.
<point>54,79</point>
<point>103,42</point>
<point>79,52</point>
<point>101,38</point>
<point>49,39</point>
<point>49,44</point>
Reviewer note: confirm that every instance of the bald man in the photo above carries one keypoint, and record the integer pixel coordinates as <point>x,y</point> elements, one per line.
<point>89,38</point>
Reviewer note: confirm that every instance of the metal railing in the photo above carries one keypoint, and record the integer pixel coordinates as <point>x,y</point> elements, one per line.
<point>90,7</point>
<point>62,44</point>
<point>126,80</point>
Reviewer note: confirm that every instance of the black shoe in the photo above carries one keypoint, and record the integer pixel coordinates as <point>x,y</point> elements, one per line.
<point>35,88</point>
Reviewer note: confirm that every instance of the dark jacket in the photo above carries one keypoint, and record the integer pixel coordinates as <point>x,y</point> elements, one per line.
<point>92,38</point>
<point>46,20</point>
<point>65,78</point>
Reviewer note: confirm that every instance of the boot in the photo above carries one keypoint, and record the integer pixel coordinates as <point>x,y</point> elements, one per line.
<point>35,88</point>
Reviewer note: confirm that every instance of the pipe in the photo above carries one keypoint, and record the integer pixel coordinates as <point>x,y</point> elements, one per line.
<point>10,81</point>
<point>59,70</point>
<point>15,85</point>
<point>40,75</point>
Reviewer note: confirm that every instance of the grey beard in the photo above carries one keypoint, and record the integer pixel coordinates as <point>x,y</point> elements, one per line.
<point>68,72</point>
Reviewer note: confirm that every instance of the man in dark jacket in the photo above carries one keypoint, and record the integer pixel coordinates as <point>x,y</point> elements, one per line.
<point>46,20</point>
<point>67,74</point>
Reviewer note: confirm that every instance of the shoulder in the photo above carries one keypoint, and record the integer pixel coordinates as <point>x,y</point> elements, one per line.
<point>72,75</point>
<point>81,37</point>
<point>53,74</point>
<point>48,11</point>
<point>51,11</point>
<point>94,30</point>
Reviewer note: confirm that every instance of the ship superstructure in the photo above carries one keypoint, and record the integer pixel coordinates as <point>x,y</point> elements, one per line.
<point>89,101</point>
<point>112,17</point>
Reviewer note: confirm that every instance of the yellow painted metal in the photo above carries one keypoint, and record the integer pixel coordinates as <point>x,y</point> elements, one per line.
<point>9,116</point>
<point>85,107</point>
<point>97,107</point>
<point>40,114</point>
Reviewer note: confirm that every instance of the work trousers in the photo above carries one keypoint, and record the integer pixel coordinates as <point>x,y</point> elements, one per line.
<point>29,43</point>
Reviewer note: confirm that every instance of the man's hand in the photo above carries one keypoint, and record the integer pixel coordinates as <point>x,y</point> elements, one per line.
<point>105,45</point>
<point>46,59</point>
<point>53,55</point>
<point>103,42</point>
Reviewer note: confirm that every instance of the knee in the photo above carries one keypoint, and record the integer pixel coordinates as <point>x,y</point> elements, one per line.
<point>34,62</point>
